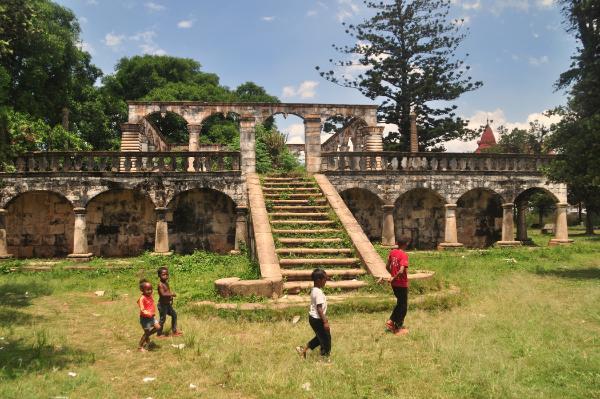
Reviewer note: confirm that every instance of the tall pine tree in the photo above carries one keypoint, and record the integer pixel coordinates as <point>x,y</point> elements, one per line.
<point>405,55</point>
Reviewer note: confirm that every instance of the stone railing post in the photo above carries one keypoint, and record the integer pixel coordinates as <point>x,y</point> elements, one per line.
<point>247,143</point>
<point>508,226</point>
<point>450,233</point>
<point>375,143</point>
<point>194,144</point>
<point>161,236</point>
<point>388,232</point>
<point>241,226</point>
<point>561,232</point>
<point>3,245</point>
<point>414,137</point>
<point>312,140</point>
<point>80,243</point>
<point>522,223</point>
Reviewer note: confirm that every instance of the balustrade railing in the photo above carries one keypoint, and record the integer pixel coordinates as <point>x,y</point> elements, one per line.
<point>431,161</point>
<point>129,162</point>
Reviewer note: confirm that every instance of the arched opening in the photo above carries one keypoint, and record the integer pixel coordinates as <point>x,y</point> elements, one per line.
<point>419,215</point>
<point>536,209</point>
<point>39,225</point>
<point>280,143</point>
<point>343,134</point>
<point>167,127</point>
<point>367,210</point>
<point>479,218</point>
<point>220,131</point>
<point>120,223</point>
<point>201,219</point>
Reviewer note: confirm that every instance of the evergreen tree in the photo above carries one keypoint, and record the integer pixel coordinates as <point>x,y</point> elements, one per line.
<point>406,56</point>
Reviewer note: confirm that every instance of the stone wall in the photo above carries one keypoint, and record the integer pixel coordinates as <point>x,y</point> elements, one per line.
<point>201,219</point>
<point>479,218</point>
<point>419,215</point>
<point>120,223</point>
<point>40,225</point>
<point>366,208</point>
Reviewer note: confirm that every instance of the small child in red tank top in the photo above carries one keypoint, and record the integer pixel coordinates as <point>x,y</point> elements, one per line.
<point>147,313</point>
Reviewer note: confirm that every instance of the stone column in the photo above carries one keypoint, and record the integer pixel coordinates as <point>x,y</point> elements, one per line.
<point>241,215</point>
<point>247,143</point>
<point>312,143</point>
<point>508,227</point>
<point>375,142</point>
<point>80,243</point>
<point>414,137</point>
<point>450,234</point>
<point>561,232</point>
<point>161,236</point>
<point>3,246</point>
<point>522,223</point>
<point>388,232</point>
<point>193,144</point>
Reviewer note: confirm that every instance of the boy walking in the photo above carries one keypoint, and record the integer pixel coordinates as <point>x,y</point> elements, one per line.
<point>397,266</point>
<point>165,303</point>
<point>147,313</point>
<point>317,317</point>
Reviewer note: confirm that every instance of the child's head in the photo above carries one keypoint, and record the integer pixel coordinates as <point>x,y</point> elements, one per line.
<point>145,287</point>
<point>402,243</point>
<point>319,277</point>
<point>163,273</point>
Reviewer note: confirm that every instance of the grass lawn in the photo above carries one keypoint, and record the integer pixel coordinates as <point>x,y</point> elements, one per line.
<point>526,324</point>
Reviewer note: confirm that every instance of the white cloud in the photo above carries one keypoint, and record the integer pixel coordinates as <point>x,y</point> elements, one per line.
<point>147,43</point>
<point>268,19</point>
<point>83,20</point>
<point>306,89</point>
<point>85,46</point>
<point>112,40</point>
<point>294,133</point>
<point>346,9</point>
<point>152,6</point>
<point>476,5</point>
<point>545,3</point>
<point>92,2</point>
<point>185,24</point>
<point>311,13</point>
<point>533,61</point>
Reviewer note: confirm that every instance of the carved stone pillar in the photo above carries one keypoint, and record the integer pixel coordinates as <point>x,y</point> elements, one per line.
<point>194,143</point>
<point>241,226</point>
<point>161,237</point>
<point>522,223</point>
<point>312,140</point>
<point>80,243</point>
<point>388,232</point>
<point>450,234</point>
<point>561,232</point>
<point>3,246</point>
<point>508,226</point>
<point>375,144</point>
<point>414,137</point>
<point>247,143</point>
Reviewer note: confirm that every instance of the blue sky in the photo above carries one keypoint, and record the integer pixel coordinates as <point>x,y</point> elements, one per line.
<point>517,47</point>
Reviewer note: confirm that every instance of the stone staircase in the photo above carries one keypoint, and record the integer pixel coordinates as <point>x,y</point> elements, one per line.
<point>307,235</point>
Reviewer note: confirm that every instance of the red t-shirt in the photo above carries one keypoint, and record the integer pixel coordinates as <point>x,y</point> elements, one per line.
<point>146,303</point>
<point>397,259</point>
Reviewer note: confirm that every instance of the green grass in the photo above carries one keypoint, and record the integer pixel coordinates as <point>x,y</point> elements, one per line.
<point>526,324</point>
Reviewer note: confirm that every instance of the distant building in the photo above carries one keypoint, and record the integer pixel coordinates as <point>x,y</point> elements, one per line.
<point>487,139</point>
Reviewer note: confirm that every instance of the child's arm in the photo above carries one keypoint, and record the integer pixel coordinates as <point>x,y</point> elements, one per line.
<point>323,317</point>
<point>400,271</point>
<point>142,310</point>
<point>164,291</point>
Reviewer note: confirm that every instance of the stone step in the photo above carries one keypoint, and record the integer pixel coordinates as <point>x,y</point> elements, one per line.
<point>318,262</point>
<point>290,221</point>
<point>314,250</point>
<point>299,241</point>
<point>305,231</point>
<point>289,184</point>
<point>300,208</point>
<point>300,189</point>
<point>298,201</point>
<point>307,215</point>
<point>271,178</point>
<point>294,287</point>
<point>295,275</point>
<point>316,196</point>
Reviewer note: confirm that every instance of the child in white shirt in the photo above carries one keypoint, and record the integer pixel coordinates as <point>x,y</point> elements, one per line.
<point>317,316</point>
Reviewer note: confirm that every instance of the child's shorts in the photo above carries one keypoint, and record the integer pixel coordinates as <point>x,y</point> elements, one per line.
<point>147,322</point>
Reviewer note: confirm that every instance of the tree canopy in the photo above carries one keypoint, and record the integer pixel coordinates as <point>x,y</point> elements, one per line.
<point>405,55</point>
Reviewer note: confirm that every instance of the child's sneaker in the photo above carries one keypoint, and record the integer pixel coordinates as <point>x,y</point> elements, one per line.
<point>401,331</point>
<point>390,326</point>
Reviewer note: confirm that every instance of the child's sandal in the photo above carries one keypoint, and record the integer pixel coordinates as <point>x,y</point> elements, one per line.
<point>300,350</point>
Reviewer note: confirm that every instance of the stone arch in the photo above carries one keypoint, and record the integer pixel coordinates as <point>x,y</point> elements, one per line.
<point>546,206</point>
<point>479,217</point>
<point>367,210</point>
<point>201,218</point>
<point>120,222</point>
<point>39,225</point>
<point>419,215</point>
<point>170,127</point>
<point>219,117</point>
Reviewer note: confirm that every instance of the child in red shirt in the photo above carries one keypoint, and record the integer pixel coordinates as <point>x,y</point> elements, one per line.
<point>147,312</point>
<point>397,265</point>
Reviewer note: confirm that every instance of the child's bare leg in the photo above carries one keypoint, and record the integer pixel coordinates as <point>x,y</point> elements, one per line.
<point>143,340</point>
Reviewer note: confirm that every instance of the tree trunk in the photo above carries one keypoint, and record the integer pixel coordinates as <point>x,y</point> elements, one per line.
<point>589,226</point>
<point>579,212</point>
<point>541,219</point>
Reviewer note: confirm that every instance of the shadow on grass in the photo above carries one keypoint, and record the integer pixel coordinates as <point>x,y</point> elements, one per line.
<point>19,358</point>
<point>576,274</point>
<point>10,316</point>
<point>20,295</point>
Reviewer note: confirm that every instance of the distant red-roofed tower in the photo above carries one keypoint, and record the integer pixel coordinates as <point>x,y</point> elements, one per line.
<point>487,139</point>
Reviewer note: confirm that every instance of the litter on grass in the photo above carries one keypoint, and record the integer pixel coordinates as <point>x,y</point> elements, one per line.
<point>72,374</point>
<point>178,346</point>
<point>149,379</point>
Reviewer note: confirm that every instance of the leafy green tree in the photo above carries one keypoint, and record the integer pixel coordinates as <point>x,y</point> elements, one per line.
<point>406,55</point>
<point>520,141</point>
<point>543,204</point>
<point>271,152</point>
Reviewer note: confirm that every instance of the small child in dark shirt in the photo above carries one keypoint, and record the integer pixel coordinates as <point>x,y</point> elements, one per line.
<point>165,303</point>
<point>147,313</point>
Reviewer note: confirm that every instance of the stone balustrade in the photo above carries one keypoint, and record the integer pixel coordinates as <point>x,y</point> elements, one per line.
<point>389,161</point>
<point>125,162</point>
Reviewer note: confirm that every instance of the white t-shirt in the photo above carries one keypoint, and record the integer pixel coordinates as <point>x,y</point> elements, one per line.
<point>317,297</point>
